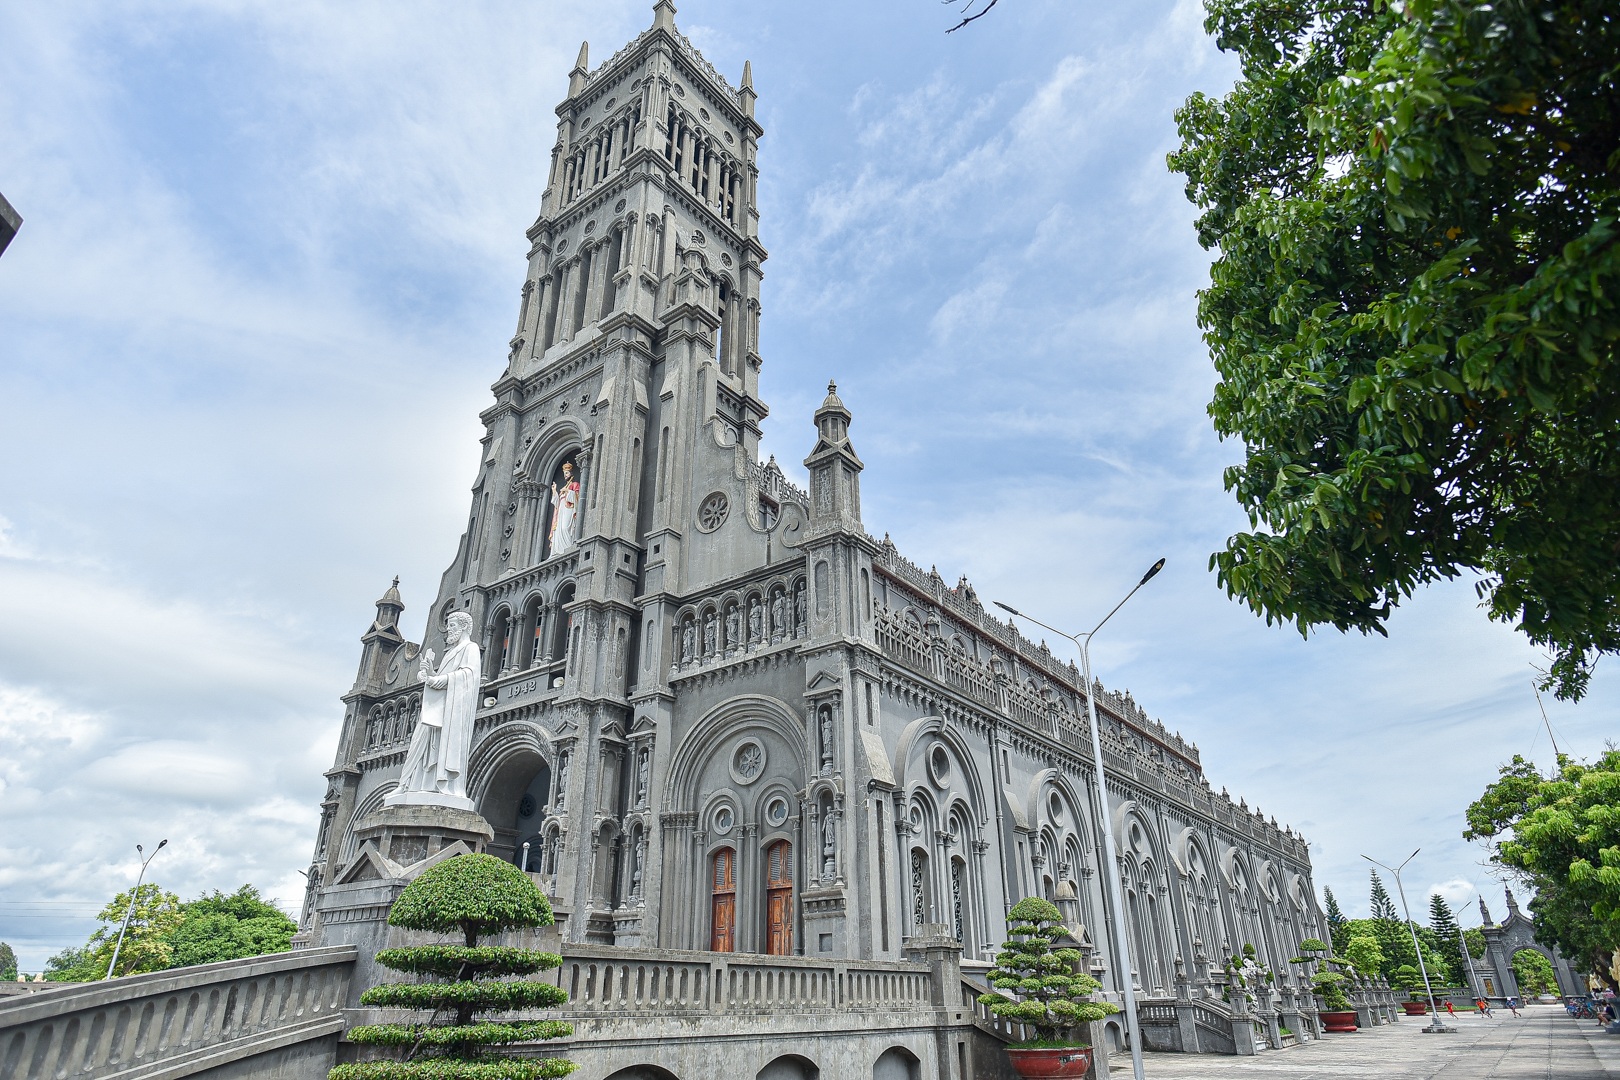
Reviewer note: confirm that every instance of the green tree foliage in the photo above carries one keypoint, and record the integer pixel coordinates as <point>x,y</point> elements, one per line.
<point>1038,985</point>
<point>1561,836</point>
<point>1365,955</point>
<point>229,926</point>
<point>165,933</point>
<point>1476,943</point>
<point>1382,906</point>
<point>468,896</point>
<point>8,963</point>
<point>146,943</point>
<point>1534,973</point>
<point>1413,311</point>
<point>1336,921</point>
<point>1447,934</point>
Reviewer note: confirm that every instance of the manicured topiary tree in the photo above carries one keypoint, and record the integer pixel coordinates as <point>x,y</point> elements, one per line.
<point>1045,988</point>
<point>472,896</point>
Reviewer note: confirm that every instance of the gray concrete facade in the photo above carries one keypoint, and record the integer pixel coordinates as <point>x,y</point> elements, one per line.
<point>728,718</point>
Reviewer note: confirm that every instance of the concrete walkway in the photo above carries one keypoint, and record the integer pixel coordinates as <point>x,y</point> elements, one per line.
<point>1544,1045</point>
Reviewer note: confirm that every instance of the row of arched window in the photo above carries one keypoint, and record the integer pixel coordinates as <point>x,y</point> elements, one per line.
<point>711,172</point>
<point>533,636</point>
<point>596,158</point>
<point>393,722</point>
<point>725,627</point>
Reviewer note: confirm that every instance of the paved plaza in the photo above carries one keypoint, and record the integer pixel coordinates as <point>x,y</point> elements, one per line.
<point>1545,1044</point>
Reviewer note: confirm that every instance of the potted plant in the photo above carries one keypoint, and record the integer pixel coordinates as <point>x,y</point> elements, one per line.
<point>1336,1013</point>
<point>1043,988</point>
<point>1408,978</point>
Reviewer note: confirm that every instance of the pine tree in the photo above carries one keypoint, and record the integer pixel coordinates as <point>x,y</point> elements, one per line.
<point>1448,936</point>
<point>1382,906</point>
<point>1338,925</point>
<point>471,896</point>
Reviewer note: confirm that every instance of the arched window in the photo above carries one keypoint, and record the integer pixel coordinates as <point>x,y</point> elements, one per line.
<point>958,889</point>
<point>921,909</point>
<point>779,899</point>
<point>723,901</point>
<point>500,643</point>
<point>561,622</point>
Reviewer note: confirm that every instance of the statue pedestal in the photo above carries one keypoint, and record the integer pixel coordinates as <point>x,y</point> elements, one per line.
<point>408,832</point>
<point>427,798</point>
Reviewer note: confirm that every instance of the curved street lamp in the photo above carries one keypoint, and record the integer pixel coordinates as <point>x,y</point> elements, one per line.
<point>1436,1025</point>
<point>134,894</point>
<point>1122,948</point>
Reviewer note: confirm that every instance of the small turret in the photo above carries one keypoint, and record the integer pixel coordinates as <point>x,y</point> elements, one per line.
<point>835,470</point>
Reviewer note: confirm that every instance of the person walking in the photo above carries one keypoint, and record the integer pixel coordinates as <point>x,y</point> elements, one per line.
<point>1485,1009</point>
<point>1451,1010</point>
<point>1513,1006</point>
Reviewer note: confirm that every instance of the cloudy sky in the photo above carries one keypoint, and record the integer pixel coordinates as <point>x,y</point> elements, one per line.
<point>270,261</point>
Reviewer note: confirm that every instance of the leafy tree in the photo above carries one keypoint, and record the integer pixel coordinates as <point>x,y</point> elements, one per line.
<point>1534,972</point>
<point>229,926</point>
<point>470,896</point>
<point>1413,312</point>
<point>1365,955</point>
<point>1447,934</point>
<point>77,965</point>
<point>1382,906</point>
<point>1561,836</point>
<point>1476,942</point>
<point>1336,921</point>
<point>1053,995</point>
<point>8,963</point>
<point>146,943</point>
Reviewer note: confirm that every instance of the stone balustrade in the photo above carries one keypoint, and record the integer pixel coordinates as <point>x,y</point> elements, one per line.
<point>283,1008</point>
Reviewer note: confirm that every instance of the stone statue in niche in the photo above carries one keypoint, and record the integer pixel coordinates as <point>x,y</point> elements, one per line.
<point>711,631</point>
<point>564,511</point>
<point>733,628</point>
<point>826,742</point>
<point>643,769</point>
<point>638,855</point>
<point>799,611</point>
<point>829,846</point>
<point>435,771</point>
<point>688,641</point>
<point>778,616</point>
<point>562,782</point>
<point>756,620</point>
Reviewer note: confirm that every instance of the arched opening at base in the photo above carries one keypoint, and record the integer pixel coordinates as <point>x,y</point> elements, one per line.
<point>789,1067</point>
<point>515,803</point>
<point>643,1072</point>
<point>897,1063</point>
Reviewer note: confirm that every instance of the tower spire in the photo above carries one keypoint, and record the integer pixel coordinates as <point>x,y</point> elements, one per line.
<point>664,15</point>
<point>582,68</point>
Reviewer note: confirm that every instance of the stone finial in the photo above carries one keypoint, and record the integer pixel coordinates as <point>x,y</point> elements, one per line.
<point>664,14</point>
<point>584,61</point>
<point>748,75</point>
<point>1512,903</point>
<point>1484,912</point>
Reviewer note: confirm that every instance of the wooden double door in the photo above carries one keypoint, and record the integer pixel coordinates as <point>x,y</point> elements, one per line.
<point>778,900</point>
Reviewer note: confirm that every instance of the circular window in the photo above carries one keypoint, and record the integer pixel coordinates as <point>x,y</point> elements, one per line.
<point>748,762</point>
<point>703,113</point>
<point>698,238</point>
<point>729,139</point>
<point>724,819</point>
<point>777,811</point>
<point>1056,806</point>
<point>618,207</point>
<point>526,805</point>
<point>712,511</point>
<point>939,765</point>
<point>680,91</point>
<point>610,103</point>
<point>916,816</point>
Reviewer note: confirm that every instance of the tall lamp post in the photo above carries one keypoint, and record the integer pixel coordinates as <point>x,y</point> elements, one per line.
<point>1122,948</point>
<point>1395,871</point>
<point>134,894</point>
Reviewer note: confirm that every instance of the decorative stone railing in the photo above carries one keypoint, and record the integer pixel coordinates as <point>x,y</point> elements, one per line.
<point>174,1024</point>
<point>603,980</point>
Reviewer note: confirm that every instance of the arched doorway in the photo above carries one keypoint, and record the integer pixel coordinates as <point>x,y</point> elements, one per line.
<point>896,1063</point>
<point>779,899</point>
<point>514,804</point>
<point>643,1072</point>
<point>723,901</point>
<point>1534,973</point>
<point>789,1067</point>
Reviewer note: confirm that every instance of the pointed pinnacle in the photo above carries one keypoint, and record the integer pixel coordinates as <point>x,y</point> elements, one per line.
<point>584,61</point>
<point>748,75</point>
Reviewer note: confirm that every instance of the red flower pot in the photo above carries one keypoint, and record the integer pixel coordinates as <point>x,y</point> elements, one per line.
<point>1416,1008</point>
<point>1053,1061</point>
<point>1338,1021</point>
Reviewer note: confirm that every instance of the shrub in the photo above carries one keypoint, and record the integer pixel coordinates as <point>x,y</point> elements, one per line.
<point>1052,994</point>
<point>1330,986</point>
<point>473,896</point>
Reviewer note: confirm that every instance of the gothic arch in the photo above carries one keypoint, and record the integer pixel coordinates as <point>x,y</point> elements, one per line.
<point>512,740</point>
<point>563,436</point>
<point>732,719</point>
<point>965,764</point>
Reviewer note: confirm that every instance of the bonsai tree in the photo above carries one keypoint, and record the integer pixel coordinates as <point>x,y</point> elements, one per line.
<point>471,896</point>
<point>1048,991</point>
<point>1329,985</point>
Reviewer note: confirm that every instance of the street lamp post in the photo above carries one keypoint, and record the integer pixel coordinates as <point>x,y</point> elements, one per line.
<point>1436,1025</point>
<point>1122,948</point>
<point>134,894</point>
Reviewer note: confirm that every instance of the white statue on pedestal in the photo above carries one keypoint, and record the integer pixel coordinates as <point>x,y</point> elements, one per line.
<point>435,771</point>
<point>565,512</point>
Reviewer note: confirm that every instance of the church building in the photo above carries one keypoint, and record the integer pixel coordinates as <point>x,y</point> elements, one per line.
<point>720,712</point>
